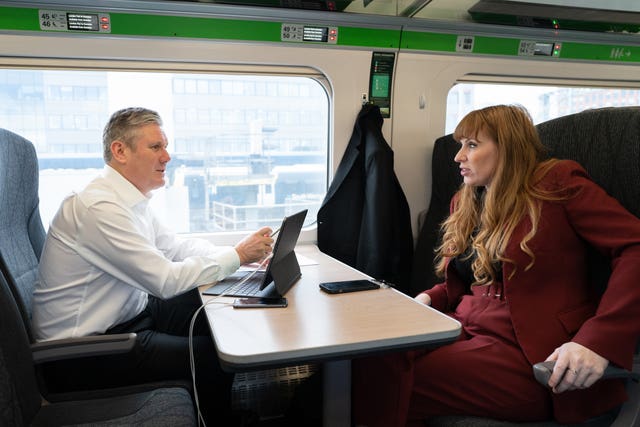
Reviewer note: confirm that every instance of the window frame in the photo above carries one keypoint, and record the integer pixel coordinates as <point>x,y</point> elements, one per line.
<point>141,66</point>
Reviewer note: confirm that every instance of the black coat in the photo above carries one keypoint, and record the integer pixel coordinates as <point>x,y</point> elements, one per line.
<point>364,220</point>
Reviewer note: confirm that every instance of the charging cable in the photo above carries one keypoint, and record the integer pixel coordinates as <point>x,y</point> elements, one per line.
<point>213,300</point>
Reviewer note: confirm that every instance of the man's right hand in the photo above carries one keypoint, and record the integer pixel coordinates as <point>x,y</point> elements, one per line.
<point>255,246</point>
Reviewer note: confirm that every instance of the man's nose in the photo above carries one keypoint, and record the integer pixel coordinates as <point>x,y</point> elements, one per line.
<point>166,158</point>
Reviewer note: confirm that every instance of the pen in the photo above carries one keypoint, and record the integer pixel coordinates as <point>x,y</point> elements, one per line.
<point>277,230</point>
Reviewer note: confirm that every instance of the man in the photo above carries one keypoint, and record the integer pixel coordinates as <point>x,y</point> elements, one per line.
<point>109,266</point>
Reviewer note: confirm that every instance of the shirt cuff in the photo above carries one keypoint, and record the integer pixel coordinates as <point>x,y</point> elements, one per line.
<point>229,261</point>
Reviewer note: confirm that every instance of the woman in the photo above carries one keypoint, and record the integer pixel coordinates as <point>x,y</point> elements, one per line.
<point>515,275</point>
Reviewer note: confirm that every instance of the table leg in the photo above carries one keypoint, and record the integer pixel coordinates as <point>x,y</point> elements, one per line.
<point>336,411</point>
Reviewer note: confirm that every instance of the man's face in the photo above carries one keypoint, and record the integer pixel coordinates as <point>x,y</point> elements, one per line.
<point>146,161</point>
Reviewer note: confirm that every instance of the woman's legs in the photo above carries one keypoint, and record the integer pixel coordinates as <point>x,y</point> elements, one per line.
<point>481,376</point>
<point>381,389</point>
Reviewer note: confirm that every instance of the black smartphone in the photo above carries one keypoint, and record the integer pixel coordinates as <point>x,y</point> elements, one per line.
<point>258,302</point>
<point>348,286</point>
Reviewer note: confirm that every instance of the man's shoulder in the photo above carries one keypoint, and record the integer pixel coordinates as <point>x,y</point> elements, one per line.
<point>97,191</point>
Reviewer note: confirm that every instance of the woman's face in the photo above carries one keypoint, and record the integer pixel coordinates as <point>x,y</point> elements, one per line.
<point>478,160</point>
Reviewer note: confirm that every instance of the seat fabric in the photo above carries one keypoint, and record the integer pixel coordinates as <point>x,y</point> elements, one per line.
<point>21,401</point>
<point>21,232</point>
<point>161,407</point>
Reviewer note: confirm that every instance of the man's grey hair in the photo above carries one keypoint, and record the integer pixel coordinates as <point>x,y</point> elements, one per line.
<point>124,124</point>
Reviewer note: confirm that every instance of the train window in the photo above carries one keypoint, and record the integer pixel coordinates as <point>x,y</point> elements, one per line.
<point>246,149</point>
<point>543,102</point>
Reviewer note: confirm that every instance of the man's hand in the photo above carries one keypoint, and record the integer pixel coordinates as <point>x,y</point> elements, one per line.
<point>576,367</point>
<point>255,246</point>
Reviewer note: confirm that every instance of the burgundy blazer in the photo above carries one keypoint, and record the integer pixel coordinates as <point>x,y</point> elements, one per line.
<point>554,301</point>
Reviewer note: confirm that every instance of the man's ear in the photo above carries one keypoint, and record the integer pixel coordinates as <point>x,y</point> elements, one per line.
<point>119,151</point>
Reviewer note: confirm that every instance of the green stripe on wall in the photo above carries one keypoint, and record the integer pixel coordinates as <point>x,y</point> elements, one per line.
<point>496,46</point>
<point>191,27</point>
<point>598,52</point>
<point>127,24</point>
<point>369,37</point>
<point>439,42</point>
<point>232,29</point>
<point>19,19</point>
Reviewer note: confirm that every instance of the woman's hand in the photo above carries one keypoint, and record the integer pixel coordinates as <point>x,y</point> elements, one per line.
<point>576,367</point>
<point>423,298</point>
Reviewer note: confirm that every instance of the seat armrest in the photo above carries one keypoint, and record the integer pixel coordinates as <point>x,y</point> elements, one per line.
<point>543,370</point>
<point>73,348</point>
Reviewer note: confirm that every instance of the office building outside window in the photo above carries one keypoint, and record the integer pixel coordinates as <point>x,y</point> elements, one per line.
<point>543,102</point>
<point>246,149</point>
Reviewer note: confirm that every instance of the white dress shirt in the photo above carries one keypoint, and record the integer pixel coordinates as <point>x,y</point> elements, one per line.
<point>105,252</point>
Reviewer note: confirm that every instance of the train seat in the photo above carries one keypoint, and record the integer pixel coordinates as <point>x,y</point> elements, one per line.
<point>22,237</point>
<point>22,401</point>
<point>21,232</point>
<point>606,142</point>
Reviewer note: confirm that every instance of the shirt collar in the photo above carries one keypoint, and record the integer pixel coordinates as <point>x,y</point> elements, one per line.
<point>125,189</point>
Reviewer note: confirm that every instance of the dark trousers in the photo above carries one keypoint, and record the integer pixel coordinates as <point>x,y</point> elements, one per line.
<point>161,353</point>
